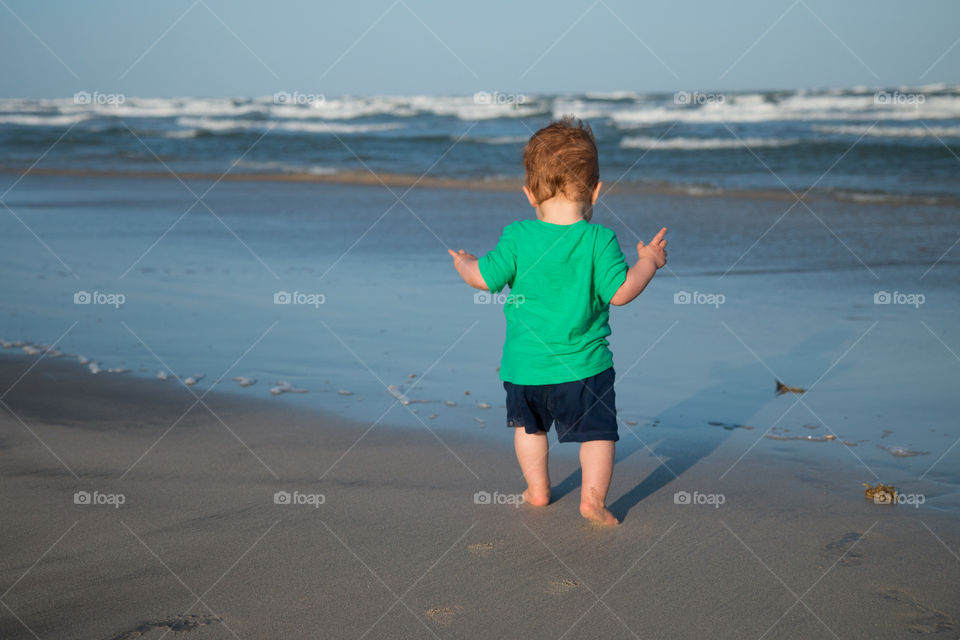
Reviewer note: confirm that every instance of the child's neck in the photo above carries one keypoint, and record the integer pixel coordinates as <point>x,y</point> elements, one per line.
<point>563,211</point>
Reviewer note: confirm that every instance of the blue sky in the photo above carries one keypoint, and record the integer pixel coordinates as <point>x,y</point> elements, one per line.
<point>239,48</point>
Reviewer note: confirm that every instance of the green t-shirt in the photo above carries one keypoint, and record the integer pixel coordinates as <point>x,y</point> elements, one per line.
<point>561,279</point>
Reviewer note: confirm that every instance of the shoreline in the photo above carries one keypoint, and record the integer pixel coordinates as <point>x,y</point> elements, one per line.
<point>366,178</point>
<point>399,517</point>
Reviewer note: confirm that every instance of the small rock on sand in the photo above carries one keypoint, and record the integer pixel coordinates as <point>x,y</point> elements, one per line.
<point>481,549</point>
<point>561,585</point>
<point>443,616</point>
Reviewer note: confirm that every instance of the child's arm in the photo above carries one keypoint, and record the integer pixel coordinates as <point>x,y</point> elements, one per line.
<point>468,269</point>
<point>650,257</point>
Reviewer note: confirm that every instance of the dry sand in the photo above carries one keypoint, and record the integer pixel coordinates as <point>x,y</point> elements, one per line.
<point>400,549</point>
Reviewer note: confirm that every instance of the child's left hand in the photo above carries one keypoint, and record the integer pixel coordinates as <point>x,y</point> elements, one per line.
<point>656,250</point>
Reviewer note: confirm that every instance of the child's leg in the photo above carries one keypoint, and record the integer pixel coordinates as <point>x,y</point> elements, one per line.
<point>532,454</point>
<point>596,467</point>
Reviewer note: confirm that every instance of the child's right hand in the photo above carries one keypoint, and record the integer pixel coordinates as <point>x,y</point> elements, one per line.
<point>656,250</point>
<point>460,256</point>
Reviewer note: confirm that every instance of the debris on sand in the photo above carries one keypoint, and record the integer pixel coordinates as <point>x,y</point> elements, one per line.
<point>881,494</point>
<point>902,452</point>
<point>396,393</point>
<point>285,387</point>
<point>827,438</point>
<point>728,425</point>
<point>782,389</point>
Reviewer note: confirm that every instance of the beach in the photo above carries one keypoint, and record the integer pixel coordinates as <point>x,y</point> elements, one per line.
<point>397,544</point>
<point>254,399</point>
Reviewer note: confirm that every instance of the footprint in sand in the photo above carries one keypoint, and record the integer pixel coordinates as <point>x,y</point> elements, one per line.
<point>160,628</point>
<point>843,548</point>
<point>920,618</point>
<point>481,549</point>
<point>558,586</point>
<point>443,616</point>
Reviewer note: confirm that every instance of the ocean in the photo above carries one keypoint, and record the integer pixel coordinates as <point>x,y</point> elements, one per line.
<point>861,143</point>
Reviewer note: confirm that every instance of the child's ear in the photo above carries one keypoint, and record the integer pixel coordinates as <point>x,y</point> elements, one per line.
<point>596,193</point>
<point>530,198</point>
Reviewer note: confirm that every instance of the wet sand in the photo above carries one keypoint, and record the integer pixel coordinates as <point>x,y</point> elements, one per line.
<point>410,181</point>
<point>387,537</point>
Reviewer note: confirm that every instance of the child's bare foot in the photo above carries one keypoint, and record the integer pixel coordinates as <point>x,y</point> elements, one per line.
<point>598,514</point>
<point>536,498</point>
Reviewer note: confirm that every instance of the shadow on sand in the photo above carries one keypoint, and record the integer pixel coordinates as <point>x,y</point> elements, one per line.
<point>683,437</point>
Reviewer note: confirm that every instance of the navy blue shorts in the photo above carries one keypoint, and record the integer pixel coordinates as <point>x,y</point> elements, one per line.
<point>584,410</point>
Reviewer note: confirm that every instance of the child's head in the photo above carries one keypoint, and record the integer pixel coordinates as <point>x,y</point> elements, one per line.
<point>561,160</point>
